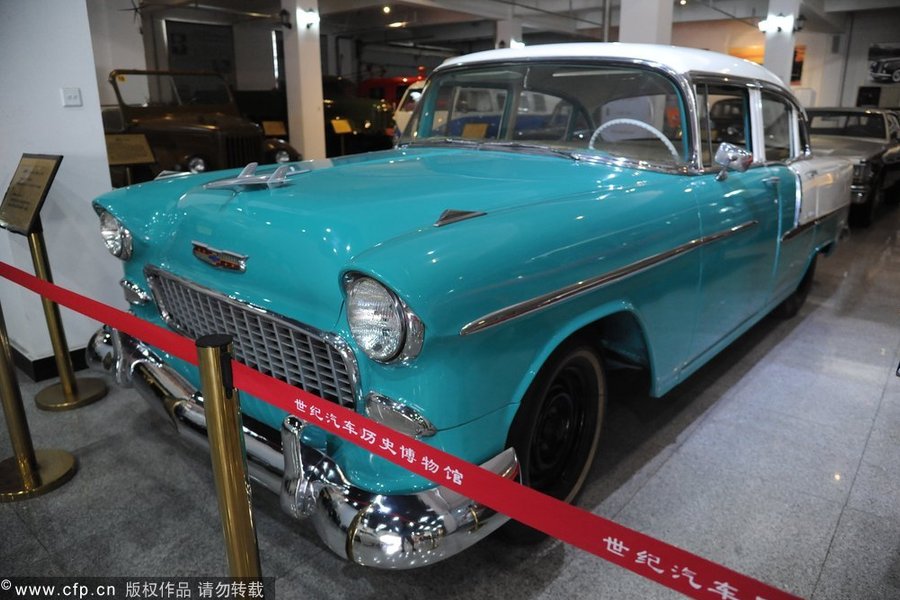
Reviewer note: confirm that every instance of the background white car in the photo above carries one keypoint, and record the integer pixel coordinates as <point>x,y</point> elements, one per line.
<point>406,105</point>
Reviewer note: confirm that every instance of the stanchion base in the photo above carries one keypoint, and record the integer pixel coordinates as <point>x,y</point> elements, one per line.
<point>55,467</point>
<point>53,397</point>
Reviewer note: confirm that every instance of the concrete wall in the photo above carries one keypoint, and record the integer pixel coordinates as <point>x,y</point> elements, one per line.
<point>254,57</point>
<point>116,40</point>
<point>822,69</point>
<point>871,27</point>
<point>823,66</point>
<point>45,45</point>
<point>718,36</point>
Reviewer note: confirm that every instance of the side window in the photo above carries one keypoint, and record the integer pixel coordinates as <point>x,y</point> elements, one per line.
<point>777,127</point>
<point>724,117</point>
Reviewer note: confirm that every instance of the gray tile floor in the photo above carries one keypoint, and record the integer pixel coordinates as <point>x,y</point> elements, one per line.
<point>778,459</point>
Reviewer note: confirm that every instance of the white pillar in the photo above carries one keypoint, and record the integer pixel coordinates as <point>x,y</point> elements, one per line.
<point>646,21</point>
<point>780,44</point>
<point>303,78</point>
<point>507,31</point>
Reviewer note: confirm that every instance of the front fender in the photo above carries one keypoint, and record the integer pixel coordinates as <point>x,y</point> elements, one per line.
<point>578,323</point>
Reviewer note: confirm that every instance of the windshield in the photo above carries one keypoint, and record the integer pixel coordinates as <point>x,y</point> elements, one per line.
<point>852,124</point>
<point>592,109</point>
<point>170,90</point>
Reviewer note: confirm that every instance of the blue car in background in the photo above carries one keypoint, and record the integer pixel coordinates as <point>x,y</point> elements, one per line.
<point>579,210</point>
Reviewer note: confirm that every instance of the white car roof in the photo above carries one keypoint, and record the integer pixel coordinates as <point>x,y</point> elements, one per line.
<point>680,60</point>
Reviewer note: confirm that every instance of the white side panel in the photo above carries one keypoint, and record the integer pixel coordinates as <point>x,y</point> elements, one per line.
<point>825,185</point>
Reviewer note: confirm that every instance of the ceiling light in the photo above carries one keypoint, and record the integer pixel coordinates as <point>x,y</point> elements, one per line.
<point>777,23</point>
<point>386,9</point>
<point>307,17</point>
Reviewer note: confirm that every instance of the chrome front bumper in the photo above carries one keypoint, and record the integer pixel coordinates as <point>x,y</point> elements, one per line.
<point>385,531</point>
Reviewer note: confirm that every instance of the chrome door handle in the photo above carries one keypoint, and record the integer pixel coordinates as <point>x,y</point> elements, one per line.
<point>772,181</point>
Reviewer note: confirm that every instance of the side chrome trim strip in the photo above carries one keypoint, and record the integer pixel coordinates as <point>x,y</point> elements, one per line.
<point>576,289</point>
<point>789,235</point>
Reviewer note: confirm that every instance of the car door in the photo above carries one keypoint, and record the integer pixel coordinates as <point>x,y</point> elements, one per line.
<point>805,193</point>
<point>738,217</point>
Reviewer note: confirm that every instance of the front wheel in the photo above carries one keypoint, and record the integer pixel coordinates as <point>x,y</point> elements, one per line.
<point>557,429</point>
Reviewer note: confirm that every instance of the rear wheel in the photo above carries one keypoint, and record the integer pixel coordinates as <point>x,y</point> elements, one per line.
<point>557,429</point>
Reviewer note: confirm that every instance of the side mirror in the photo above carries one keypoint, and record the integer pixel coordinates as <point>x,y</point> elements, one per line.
<point>732,158</point>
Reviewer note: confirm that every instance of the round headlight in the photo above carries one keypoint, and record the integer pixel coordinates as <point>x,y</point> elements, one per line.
<point>282,156</point>
<point>376,319</point>
<point>116,237</point>
<point>862,173</point>
<point>196,164</point>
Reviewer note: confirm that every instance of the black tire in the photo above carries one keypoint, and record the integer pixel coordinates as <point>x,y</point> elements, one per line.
<point>792,304</point>
<point>557,429</point>
<point>862,215</point>
<point>892,195</point>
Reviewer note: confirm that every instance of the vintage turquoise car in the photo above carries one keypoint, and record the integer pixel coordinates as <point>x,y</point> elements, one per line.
<point>577,212</point>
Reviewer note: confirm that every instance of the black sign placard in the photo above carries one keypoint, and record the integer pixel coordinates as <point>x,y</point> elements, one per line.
<point>27,191</point>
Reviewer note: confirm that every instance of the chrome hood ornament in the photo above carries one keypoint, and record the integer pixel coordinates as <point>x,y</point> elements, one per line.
<point>248,178</point>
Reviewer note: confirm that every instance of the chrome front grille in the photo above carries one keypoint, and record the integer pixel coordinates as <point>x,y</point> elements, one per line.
<point>270,343</point>
<point>242,149</point>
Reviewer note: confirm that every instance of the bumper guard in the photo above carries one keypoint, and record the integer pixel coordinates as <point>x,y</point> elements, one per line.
<point>385,531</point>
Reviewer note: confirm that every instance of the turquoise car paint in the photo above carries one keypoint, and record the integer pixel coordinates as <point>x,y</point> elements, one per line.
<point>694,259</point>
<point>611,216</point>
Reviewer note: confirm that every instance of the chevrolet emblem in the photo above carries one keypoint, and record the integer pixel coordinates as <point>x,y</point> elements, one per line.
<point>220,259</point>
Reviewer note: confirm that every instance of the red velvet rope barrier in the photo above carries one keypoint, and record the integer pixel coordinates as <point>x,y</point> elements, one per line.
<point>668,565</point>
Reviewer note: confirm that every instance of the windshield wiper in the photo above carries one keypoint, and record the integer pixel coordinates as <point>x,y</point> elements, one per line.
<point>496,145</point>
<point>435,141</point>
<point>537,147</point>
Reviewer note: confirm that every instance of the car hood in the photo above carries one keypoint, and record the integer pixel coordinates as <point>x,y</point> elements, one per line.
<point>300,237</point>
<point>847,147</point>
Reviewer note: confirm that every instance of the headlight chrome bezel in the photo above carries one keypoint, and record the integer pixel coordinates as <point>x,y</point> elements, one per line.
<point>196,164</point>
<point>411,334</point>
<point>862,172</point>
<point>116,237</point>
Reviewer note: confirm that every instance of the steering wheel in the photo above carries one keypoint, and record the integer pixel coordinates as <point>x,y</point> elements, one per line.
<point>646,126</point>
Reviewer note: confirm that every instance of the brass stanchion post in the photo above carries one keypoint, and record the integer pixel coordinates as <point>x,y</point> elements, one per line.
<point>229,458</point>
<point>69,392</point>
<point>27,473</point>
